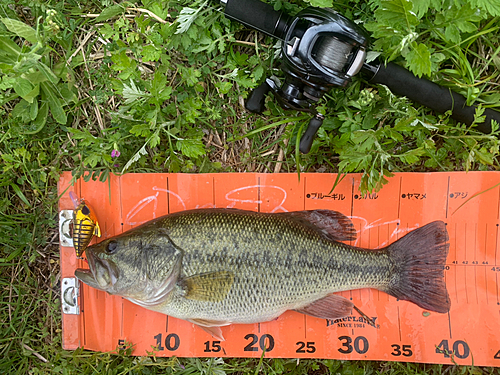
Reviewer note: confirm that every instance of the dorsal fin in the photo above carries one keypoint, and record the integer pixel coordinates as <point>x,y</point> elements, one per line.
<point>331,224</point>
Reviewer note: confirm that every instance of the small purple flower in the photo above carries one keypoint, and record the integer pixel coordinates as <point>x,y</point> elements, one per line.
<point>181,366</point>
<point>115,153</point>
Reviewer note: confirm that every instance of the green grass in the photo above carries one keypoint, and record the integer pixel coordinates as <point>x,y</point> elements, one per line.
<point>80,79</point>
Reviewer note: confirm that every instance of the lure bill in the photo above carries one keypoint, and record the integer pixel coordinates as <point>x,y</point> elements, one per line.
<point>85,225</point>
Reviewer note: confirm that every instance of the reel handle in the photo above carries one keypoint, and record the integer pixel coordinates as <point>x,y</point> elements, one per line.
<point>403,82</point>
<point>255,102</point>
<point>308,136</point>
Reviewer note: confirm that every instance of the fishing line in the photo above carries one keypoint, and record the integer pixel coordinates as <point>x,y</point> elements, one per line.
<point>333,53</point>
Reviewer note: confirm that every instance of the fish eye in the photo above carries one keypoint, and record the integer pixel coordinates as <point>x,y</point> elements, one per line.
<point>111,247</point>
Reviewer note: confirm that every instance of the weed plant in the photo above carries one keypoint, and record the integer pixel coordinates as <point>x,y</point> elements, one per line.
<point>100,87</point>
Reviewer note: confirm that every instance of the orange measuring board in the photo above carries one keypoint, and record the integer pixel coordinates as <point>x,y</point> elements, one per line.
<point>469,203</point>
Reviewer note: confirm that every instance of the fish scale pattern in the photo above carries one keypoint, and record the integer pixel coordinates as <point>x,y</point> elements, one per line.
<point>278,264</point>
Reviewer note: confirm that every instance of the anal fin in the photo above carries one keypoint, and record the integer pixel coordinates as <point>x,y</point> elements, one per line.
<point>332,306</point>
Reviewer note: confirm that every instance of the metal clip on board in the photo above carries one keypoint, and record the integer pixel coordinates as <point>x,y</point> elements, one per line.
<point>322,49</point>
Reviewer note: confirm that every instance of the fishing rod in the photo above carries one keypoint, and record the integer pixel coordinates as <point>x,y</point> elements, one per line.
<point>322,49</point>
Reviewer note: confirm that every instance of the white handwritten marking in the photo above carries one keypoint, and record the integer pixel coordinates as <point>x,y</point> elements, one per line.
<point>375,224</point>
<point>139,207</point>
<point>258,201</point>
<point>174,194</point>
<point>145,201</point>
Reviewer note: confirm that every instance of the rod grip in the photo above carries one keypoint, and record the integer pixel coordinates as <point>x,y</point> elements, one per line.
<point>402,82</point>
<point>258,15</point>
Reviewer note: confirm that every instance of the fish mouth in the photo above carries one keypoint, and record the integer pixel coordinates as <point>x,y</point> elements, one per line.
<point>86,275</point>
<point>102,274</point>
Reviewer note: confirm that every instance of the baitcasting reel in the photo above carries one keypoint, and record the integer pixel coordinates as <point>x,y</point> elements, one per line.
<point>322,49</point>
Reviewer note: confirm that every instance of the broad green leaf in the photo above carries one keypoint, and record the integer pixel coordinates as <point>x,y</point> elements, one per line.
<point>419,59</point>
<point>459,19</point>
<point>92,160</point>
<point>20,29</point>
<point>397,13</point>
<point>190,75</point>
<point>21,110</point>
<point>31,96</point>
<point>55,104</point>
<point>224,87</point>
<point>192,148</point>
<point>321,3</point>
<point>150,53</point>
<point>165,94</point>
<point>452,34</point>
<point>6,63</point>
<point>22,87</point>
<point>141,130</point>
<point>41,118</point>
<point>8,47</point>
<point>154,140</point>
<point>33,108</point>
<point>464,17</point>
<point>35,77</point>
<point>491,6</point>
<point>47,72</point>
<point>7,82</point>
<point>420,7</point>
<point>108,13</point>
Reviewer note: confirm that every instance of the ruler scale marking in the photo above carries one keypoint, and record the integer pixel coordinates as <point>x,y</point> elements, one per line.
<point>486,284</point>
<point>496,247</point>
<point>387,310</point>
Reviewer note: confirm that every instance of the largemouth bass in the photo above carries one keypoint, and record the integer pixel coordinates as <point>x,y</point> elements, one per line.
<point>215,267</point>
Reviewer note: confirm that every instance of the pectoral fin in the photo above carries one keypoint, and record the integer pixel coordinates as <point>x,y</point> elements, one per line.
<point>332,306</point>
<point>212,327</point>
<point>208,287</point>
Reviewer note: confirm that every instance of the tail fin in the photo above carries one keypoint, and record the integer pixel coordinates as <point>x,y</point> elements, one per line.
<point>419,259</point>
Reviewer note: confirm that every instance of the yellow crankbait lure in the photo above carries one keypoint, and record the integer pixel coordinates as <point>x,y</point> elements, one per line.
<point>85,225</point>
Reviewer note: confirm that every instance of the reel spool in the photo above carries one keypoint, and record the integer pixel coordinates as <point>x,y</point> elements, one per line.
<point>321,49</point>
<point>332,53</point>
